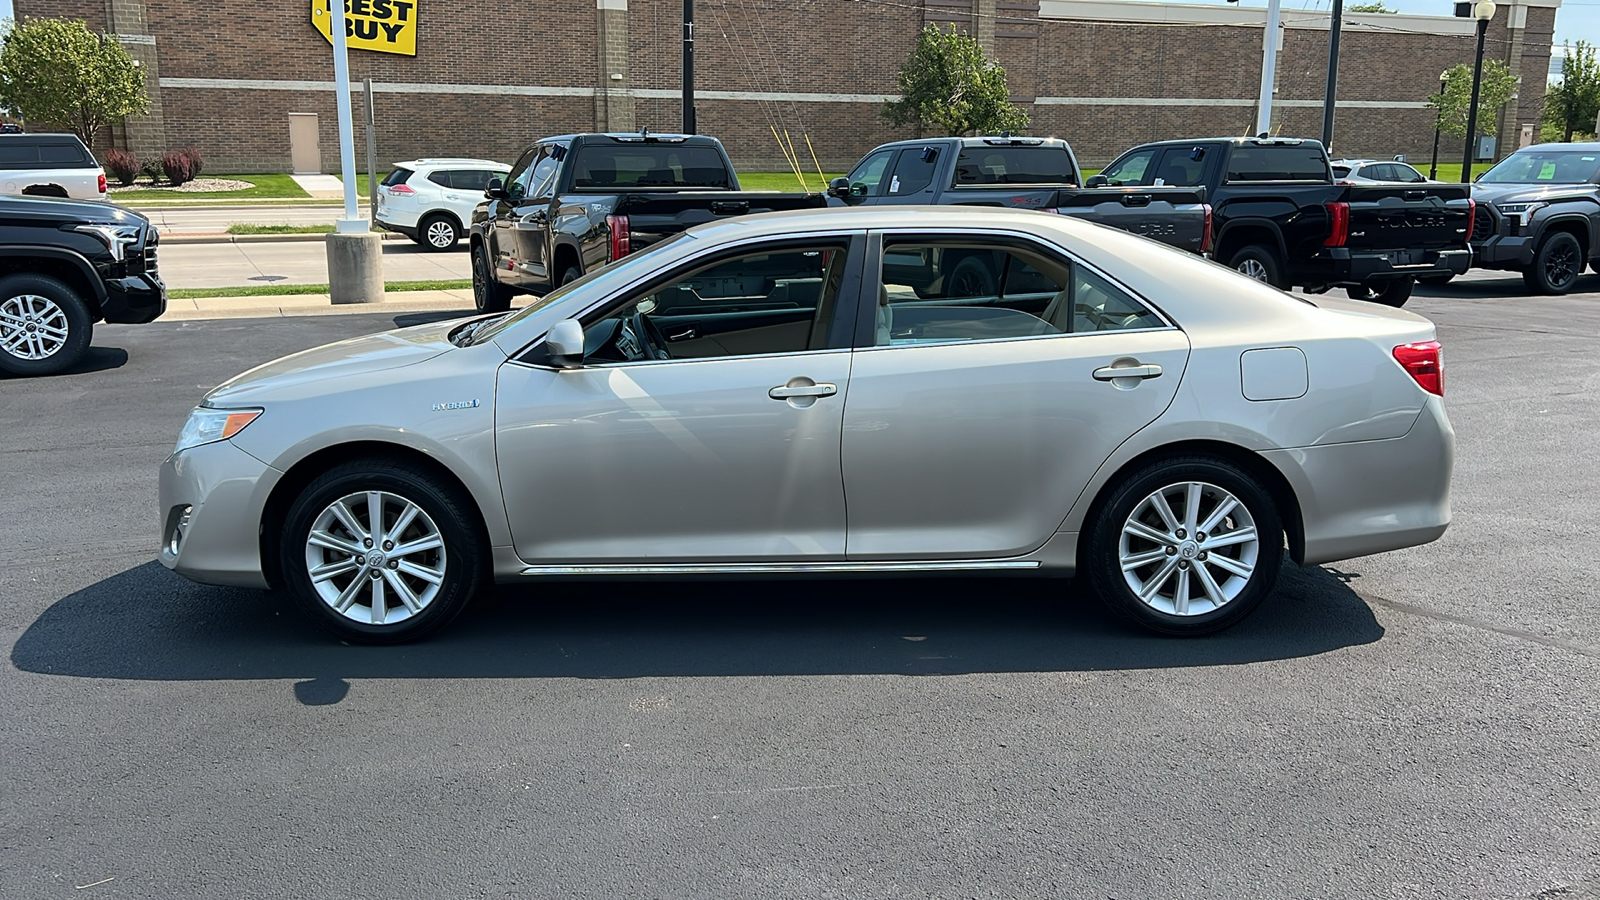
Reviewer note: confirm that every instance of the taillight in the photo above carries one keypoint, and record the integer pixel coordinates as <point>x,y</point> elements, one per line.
<point>621,239</point>
<point>1425,362</point>
<point>401,189</point>
<point>1205,236</point>
<point>102,182</point>
<point>1472,217</point>
<point>1338,224</point>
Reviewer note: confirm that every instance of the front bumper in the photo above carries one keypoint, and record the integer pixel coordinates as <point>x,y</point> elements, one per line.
<point>1368,497</point>
<point>225,490</point>
<point>134,299</point>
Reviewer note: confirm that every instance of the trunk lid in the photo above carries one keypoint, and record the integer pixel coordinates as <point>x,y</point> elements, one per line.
<point>1408,217</point>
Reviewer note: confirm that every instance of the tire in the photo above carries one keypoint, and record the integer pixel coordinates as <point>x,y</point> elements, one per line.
<point>396,599</point>
<point>45,326</point>
<point>1125,525</point>
<point>1261,263</point>
<point>572,273</point>
<point>1393,292</point>
<point>1436,280</point>
<point>488,294</point>
<point>972,277</point>
<point>438,233</point>
<point>1557,263</point>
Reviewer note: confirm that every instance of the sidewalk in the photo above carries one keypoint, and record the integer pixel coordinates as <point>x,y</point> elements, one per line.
<point>316,305</point>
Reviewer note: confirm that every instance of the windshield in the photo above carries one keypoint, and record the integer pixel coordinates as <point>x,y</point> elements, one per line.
<point>538,303</point>
<point>1545,167</point>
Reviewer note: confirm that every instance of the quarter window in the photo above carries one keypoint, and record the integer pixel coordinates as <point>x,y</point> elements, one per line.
<point>936,293</point>
<point>774,301</point>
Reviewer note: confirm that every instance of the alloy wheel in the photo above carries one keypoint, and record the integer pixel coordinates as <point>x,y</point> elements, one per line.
<point>1188,549</point>
<point>441,234</point>
<point>1562,265</point>
<point>375,558</point>
<point>1252,268</point>
<point>32,327</point>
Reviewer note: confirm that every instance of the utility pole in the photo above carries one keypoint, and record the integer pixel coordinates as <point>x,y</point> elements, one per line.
<point>1331,92</point>
<point>688,66</point>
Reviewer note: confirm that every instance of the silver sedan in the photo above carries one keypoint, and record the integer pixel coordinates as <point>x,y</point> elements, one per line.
<point>769,395</point>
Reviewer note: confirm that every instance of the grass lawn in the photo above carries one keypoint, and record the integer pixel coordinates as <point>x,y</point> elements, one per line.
<point>267,187</point>
<point>287,290</point>
<point>246,228</point>
<point>784,181</point>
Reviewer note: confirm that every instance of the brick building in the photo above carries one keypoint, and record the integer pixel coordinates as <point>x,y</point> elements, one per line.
<point>249,82</point>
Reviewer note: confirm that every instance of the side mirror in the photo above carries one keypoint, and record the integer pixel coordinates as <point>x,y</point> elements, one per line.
<point>496,189</point>
<point>564,344</point>
<point>839,188</point>
<point>1096,181</point>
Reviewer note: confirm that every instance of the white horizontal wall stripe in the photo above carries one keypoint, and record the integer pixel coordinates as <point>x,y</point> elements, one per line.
<point>1113,12</point>
<point>525,90</point>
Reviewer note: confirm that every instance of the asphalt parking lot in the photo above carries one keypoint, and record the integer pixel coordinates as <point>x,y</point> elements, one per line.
<point>1419,724</point>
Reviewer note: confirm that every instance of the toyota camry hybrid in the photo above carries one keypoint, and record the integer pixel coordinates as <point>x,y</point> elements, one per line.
<point>813,393</point>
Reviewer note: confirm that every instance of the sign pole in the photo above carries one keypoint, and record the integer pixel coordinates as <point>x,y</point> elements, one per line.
<point>372,151</point>
<point>351,223</point>
<point>355,251</point>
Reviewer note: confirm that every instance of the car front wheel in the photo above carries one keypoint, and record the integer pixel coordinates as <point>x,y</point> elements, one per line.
<point>45,326</point>
<point>381,552</point>
<point>1557,263</point>
<point>1185,546</point>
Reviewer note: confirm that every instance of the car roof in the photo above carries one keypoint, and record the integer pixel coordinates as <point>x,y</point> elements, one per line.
<point>43,136</point>
<point>933,218</point>
<point>435,161</point>
<point>1588,146</point>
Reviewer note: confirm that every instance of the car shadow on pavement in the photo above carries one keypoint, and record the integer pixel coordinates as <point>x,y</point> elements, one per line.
<point>146,623</point>
<point>95,359</point>
<point>1503,286</point>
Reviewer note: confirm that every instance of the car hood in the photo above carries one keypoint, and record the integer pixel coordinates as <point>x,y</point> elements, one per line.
<point>1529,193</point>
<point>328,368</point>
<point>61,211</point>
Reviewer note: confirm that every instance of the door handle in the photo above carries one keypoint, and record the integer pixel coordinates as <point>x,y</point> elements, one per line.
<point>784,392</point>
<point>1108,373</point>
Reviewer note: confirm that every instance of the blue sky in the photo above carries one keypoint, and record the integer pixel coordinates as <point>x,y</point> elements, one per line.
<point>1577,19</point>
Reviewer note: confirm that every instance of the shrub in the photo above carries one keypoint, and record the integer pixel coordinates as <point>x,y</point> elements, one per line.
<point>151,169</point>
<point>195,162</point>
<point>123,166</point>
<point>178,166</point>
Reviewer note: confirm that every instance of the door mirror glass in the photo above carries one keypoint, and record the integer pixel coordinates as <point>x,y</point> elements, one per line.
<point>1095,181</point>
<point>496,189</point>
<point>564,344</point>
<point>839,188</point>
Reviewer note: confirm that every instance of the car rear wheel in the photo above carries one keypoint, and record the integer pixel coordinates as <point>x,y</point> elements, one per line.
<point>45,326</point>
<point>438,233</point>
<point>381,552</point>
<point>1393,292</point>
<point>572,273</point>
<point>488,294</point>
<point>1259,262</point>
<point>972,277</point>
<point>1185,546</point>
<point>1556,264</point>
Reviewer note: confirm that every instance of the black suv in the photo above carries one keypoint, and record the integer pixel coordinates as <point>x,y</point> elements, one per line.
<point>64,265</point>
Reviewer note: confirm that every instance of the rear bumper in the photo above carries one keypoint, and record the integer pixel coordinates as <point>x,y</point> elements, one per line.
<point>1357,267</point>
<point>409,231</point>
<point>134,300</point>
<point>1369,497</point>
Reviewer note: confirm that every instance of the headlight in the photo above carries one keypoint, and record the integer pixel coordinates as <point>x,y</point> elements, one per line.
<point>117,238</point>
<point>1523,211</point>
<point>207,425</point>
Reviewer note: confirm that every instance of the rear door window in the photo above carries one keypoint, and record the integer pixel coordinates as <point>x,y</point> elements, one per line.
<point>476,180</point>
<point>913,171</point>
<point>1015,165</point>
<point>1181,166</point>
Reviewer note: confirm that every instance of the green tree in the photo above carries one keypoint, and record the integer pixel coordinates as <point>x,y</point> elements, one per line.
<point>58,71</point>
<point>1498,83</point>
<point>1571,105</point>
<point>947,83</point>
<point>1377,7</point>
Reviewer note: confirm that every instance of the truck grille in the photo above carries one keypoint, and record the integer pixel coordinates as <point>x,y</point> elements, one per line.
<point>149,260</point>
<point>1484,224</point>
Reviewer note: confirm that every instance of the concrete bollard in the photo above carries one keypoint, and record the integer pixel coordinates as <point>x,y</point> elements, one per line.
<point>355,268</point>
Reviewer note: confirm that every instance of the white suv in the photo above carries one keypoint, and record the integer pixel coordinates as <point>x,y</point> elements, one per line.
<point>431,200</point>
<point>50,165</point>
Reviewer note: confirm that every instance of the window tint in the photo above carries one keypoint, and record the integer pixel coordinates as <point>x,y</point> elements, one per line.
<point>516,181</point>
<point>774,301</point>
<point>1131,169</point>
<point>868,176</point>
<point>1253,162</point>
<point>60,153</point>
<point>441,178</point>
<point>17,155</point>
<point>1179,167</point>
<point>913,171</point>
<point>398,176</point>
<point>1014,165</point>
<point>1405,173</point>
<point>475,180</point>
<point>946,292</point>
<point>542,184</point>
<point>647,165</point>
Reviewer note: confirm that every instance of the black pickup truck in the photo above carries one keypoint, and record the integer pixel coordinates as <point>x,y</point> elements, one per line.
<point>578,201</point>
<point>1539,214</point>
<point>1278,215</point>
<point>1023,173</point>
<point>64,265</point>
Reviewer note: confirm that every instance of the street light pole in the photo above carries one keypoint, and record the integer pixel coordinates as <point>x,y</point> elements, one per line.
<point>688,66</point>
<point>1483,12</point>
<point>1331,91</point>
<point>1438,119</point>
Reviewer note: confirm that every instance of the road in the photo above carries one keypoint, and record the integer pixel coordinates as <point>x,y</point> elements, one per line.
<point>215,265</point>
<point>1414,725</point>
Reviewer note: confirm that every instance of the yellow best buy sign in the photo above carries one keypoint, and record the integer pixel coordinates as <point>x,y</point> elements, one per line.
<point>387,26</point>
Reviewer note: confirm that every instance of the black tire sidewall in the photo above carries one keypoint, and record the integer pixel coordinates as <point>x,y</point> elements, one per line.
<point>1268,260</point>
<point>465,568</point>
<point>572,273</point>
<point>427,223</point>
<point>1103,566</point>
<point>487,294</point>
<point>983,271</point>
<point>80,324</point>
<point>1539,280</point>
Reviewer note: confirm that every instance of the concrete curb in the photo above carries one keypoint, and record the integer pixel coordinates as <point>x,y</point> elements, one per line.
<point>168,238</point>
<point>459,301</point>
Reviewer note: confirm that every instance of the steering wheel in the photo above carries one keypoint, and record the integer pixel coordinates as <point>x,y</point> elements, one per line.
<point>648,334</point>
